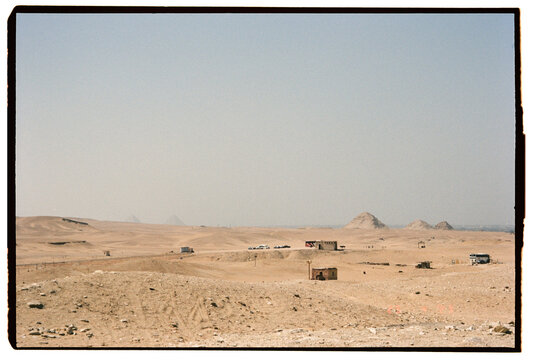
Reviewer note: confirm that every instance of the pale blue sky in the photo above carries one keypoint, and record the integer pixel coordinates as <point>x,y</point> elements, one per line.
<point>266,119</point>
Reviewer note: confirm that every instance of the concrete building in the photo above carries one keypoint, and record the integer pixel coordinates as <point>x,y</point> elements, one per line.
<point>324,274</point>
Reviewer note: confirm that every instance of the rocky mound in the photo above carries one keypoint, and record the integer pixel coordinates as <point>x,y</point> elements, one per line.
<point>443,225</point>
<point>365,220</point>
<point>419,225</point>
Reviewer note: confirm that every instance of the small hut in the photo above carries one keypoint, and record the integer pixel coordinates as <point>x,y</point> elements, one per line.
<point>324,274</point>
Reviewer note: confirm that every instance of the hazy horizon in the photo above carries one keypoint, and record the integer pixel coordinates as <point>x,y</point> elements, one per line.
<point>261,120</point>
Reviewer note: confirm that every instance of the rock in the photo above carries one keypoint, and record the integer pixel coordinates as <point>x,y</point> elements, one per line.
<point>84,320</point>
<point>296,295</point>
<point>418,292</point>
<point>52,291</point>
<point>34,332</point>
<point>502,330</point>
<point>175,325</point>
<point>49,336</point>
<point>124,320</point>
<point>42,294</point>
<point>35,304</point>
<point>214,304</point>
<point>85,329</point>
<point>372,330</point>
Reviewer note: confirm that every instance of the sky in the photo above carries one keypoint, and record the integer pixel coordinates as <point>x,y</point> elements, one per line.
<point>266,120</point>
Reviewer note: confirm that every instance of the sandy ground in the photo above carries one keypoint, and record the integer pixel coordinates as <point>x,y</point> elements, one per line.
<point>146,294</point>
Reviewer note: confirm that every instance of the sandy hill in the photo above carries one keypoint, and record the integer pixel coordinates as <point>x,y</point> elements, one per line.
<point>47,225</point>
<point>419,225</point>
<point>365,220</point>
<point>174,220</point>
<point>443,225</point>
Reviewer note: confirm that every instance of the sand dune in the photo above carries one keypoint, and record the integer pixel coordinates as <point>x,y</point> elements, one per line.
<point>148,294</point>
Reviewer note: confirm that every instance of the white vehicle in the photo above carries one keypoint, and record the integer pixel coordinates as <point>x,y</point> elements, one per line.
<point>263,246</point>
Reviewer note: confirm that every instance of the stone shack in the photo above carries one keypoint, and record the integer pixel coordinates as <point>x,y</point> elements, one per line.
<point>324,274</point>
<point>326,245</point>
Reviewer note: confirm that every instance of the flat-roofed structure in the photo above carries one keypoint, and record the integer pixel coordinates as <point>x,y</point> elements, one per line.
<point>324,274</point>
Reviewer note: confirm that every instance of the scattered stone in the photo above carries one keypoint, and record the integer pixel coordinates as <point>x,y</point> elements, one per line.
<point>49,336</point>
<point>34,332</point>
<point>175,325</point>
<point>296,295</point>
<point>35,304</point>
<point>42,294</point>
<point>89,335</point>
<point>418,292</point>
<point>52,291</point>
<point>243,304</point>
<point>294,308</point>
<point>84,320</point>
<point>85,329</point>
<point>372,330</point>
<point>124,320</point>
<point>152,289</point>
<point>214,304</point>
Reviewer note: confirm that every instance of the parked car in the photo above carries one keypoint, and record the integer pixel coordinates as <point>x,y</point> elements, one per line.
<point>262,246</point>
<point>281,247</point>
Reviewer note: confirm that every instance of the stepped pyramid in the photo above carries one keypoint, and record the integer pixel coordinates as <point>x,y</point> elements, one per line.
<point>174,220</point>
<point>365,220</point>
<point>443,225</point>
<point>419,225</point>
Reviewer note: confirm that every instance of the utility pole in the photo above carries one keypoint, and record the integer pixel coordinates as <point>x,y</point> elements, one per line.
<point>255,260</point>
<point>309,269</point>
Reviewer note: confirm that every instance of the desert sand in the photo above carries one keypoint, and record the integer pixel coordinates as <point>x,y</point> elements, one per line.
<point>147,294</point>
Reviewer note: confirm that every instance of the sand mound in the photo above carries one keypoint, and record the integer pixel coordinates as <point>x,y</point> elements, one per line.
<point>365,220</point>
<point>443,225</point>
<point>419,225</point>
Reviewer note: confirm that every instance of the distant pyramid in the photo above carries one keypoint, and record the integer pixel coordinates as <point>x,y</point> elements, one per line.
<point>443,225</point>
<point>133,219</point>
<point>365,220</point>
<point>174,220</point>
<point>419,225</point>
